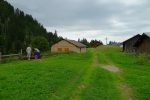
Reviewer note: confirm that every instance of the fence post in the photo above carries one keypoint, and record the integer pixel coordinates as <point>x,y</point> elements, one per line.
<point>20,54</point>
<point>0,56</point>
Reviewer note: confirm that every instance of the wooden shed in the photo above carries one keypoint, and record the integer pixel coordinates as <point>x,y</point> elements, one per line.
<point>66,45</point>
<point>128,45</point>
<point>143,44</point>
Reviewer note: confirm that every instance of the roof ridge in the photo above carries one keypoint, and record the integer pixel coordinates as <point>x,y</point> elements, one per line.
<point>147,34</point>
<point>132,37</point>
<point>76,43</point>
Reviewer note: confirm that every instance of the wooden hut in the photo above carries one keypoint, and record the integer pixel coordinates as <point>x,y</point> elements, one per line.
<point>143,44</point>
<point>128,45</point>
<point>66,45</point>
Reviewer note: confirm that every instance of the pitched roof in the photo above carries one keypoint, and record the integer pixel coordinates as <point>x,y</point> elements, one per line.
<point>138,35</point>
<point>147,34</point>
<point>78,44</point>
<point>143,36</point>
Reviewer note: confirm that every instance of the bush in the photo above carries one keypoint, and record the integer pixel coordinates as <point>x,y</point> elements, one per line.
<point>40,42</point>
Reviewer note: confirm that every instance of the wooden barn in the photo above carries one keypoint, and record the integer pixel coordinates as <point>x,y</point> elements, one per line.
<point>66,45</point>
<point>128,45</point>
<point>143,44</point>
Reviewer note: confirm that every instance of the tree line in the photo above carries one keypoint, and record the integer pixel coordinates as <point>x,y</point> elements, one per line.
<point>92,44</point>
<point>18,30</point>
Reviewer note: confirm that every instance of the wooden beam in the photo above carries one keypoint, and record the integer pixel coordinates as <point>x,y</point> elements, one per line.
<point>10,55</point>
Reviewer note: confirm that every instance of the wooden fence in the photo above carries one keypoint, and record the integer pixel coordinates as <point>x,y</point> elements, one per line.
<point>10,55</point>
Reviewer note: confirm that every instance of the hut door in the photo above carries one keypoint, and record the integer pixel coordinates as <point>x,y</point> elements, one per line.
<point>80,50</point>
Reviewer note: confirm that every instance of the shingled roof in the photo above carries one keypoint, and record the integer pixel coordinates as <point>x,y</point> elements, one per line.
<point>78,44</point>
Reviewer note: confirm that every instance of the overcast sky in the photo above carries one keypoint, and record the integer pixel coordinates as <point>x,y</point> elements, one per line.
<point>92,19</point>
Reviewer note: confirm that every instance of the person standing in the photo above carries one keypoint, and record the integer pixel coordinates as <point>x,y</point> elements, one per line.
<point>28,50</point>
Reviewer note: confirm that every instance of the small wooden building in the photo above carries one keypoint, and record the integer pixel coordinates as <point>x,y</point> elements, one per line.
<point>143,44</point>
<point>128,45</point>
<point>66,45</point>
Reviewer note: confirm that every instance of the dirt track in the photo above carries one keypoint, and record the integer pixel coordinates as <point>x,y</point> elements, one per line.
<point>125,90</point>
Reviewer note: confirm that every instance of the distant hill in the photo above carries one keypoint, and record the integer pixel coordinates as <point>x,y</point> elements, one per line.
<point>17,29</point>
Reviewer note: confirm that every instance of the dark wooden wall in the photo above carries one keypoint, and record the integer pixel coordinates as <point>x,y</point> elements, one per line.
<point>128,46</point>
<point>144,47</point>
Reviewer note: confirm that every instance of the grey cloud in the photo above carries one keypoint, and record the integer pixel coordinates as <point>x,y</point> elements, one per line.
<point>114,17</point>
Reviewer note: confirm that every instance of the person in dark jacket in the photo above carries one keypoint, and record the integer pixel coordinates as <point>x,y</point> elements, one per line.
<point>37,54</point>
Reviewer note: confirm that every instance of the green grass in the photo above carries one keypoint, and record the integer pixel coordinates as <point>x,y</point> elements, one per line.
<point>101,86</point>
<point>135,69</point>
<point>72,77</point>
<point>56,77</point>
<point>52,78</point>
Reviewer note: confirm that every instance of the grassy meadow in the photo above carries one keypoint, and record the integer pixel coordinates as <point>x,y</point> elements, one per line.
<point>72,77</point>
<point>135,69</point>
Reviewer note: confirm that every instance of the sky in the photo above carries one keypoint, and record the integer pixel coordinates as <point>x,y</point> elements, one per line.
<point>92,19</point>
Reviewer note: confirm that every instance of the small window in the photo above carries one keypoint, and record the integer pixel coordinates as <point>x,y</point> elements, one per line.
<point>59,49</point>
<point>66,49</point>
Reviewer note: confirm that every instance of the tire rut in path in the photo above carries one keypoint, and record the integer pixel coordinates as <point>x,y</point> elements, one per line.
<point>125,90</point>
<point>83,84</point>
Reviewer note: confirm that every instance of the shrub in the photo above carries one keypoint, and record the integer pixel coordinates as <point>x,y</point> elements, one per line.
<point>40,42</point>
